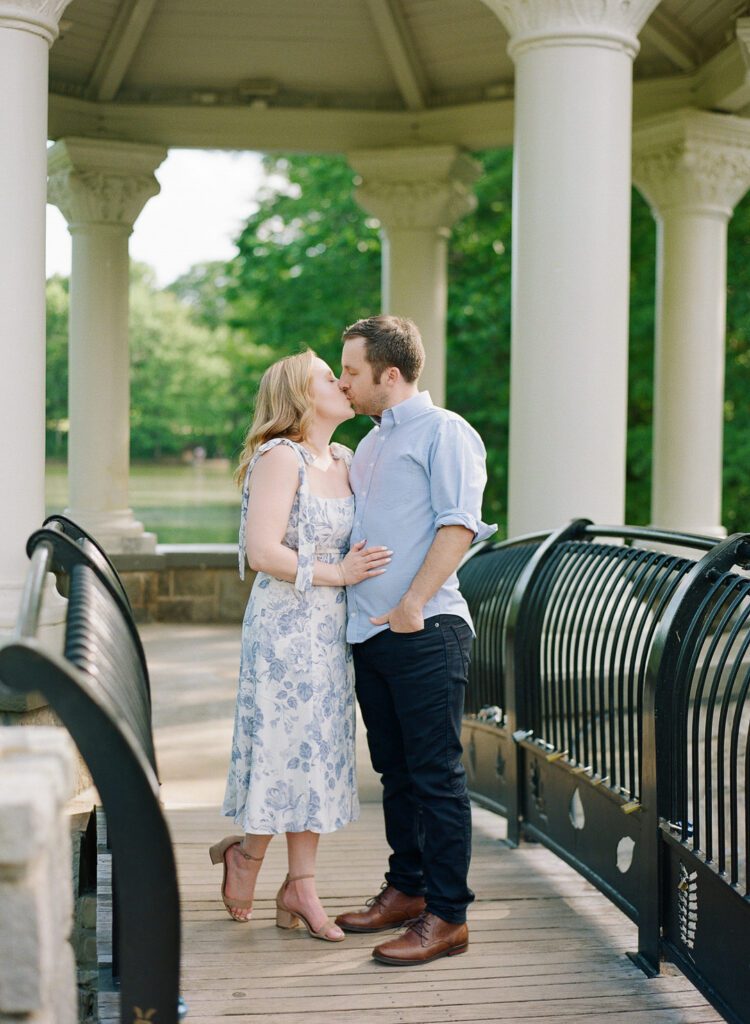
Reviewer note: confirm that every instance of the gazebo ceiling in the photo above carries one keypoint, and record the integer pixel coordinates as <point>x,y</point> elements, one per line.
<point>333,75</point>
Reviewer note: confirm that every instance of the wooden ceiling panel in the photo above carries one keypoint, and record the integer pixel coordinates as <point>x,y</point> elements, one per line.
<point>709,24</point>
<point>84,29</point>
<point>463,45</point>
<point>270,60</point>
<point>318,48</point>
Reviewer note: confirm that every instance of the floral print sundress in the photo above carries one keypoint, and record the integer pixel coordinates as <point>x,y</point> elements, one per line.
<point>293,766</point>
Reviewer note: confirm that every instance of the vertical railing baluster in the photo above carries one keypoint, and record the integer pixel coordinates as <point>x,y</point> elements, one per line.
<point>667,689</point>
<point>517,699</point>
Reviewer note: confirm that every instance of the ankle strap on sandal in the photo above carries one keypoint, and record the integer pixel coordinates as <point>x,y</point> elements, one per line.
<point>297,878</point>
<point>247,856</point>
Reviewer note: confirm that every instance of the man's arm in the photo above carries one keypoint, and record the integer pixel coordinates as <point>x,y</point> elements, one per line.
<point>442,559</point>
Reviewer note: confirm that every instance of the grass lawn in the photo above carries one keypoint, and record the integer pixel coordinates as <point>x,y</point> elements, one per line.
<point>181,504</point>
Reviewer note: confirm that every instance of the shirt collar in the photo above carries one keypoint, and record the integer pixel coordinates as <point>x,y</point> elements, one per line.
<point>408,409</point>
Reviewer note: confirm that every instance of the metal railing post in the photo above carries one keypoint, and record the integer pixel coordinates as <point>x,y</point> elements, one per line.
<point>659,695</point>
<point>516,692</point>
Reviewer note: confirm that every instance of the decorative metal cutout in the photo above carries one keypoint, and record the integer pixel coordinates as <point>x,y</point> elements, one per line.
<point>687,905</point>
<point>500,764</point>
<point>625,850</point>
<point>576,812</point>
<point>537,788</point>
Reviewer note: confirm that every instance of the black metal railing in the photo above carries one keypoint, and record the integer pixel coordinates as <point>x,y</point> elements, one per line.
<point>490,581</point>
<point>100,690</point>
<point>623,675</point>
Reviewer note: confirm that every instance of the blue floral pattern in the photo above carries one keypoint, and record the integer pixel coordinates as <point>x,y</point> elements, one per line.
<point>292,766</point>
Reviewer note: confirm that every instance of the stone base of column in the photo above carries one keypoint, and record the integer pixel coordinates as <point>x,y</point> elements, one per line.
<point>116,530</point>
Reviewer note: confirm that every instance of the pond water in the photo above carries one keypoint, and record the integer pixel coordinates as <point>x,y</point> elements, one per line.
<point>181,504</point>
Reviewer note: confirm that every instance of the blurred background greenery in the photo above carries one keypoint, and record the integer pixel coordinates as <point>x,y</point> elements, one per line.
<point>308,264</point>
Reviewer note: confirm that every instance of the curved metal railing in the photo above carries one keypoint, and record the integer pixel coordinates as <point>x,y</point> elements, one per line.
<point>99,688</point>
<point>622,671</point>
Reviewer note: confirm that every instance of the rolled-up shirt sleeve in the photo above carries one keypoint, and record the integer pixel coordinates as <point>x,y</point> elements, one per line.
<point>458,476</point>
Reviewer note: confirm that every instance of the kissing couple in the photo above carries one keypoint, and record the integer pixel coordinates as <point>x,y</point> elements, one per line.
<point>355,557</point>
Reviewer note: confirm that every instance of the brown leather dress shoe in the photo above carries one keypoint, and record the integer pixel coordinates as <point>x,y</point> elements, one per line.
<point>426,939</point>
<point>389,909</point>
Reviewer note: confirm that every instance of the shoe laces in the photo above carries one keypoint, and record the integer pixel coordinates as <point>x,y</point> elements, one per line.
<point>420,925</point>
<point>376,900</point>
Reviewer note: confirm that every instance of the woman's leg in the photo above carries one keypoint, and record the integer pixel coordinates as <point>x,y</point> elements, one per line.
<point>242,872</point>
<point>301,894</point>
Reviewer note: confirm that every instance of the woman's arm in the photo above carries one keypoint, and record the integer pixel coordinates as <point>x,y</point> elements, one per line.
<point>273,485</point>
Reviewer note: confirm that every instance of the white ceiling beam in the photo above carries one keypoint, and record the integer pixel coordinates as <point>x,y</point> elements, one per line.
<point>400,52</point>
<point>118,50</point>
<point>261,126</point>
<point>671,39</point>
<point>282,129</point>
<point>723,83</point>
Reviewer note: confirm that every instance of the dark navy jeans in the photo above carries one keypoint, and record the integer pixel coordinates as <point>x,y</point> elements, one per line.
<point>411,688</point>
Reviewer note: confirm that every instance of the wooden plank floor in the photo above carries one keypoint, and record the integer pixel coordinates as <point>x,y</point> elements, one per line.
<point>544,944</point>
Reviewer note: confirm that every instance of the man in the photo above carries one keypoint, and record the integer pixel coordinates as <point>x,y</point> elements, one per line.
<point>418,479</point>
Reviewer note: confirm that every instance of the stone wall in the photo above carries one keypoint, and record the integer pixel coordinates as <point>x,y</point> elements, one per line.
<point>37,968</point>
<point>185,583</point>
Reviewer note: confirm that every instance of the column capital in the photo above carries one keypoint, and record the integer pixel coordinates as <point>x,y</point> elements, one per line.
<point>692,161</point>
<point>40,17</point>
<point>614,24</point>
<point>95,182</point>
<point>416,186</point>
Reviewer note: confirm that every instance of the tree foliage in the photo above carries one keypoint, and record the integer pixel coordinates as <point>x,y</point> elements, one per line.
<point>182,393</point>
<point>308,264</point>
<point>309,258</point>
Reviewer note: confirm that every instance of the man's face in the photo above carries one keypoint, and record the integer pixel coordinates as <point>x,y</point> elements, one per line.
<point>356,381</point>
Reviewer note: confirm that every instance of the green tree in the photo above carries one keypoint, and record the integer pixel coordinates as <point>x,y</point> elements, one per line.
<point>202,289</point>
<point>478,327</point>
<point>182,390</point>
<point>736,506</point>
<point>308,264</point>
<point>641,361</point>
<point>57,367</point>
<point>180,378</point>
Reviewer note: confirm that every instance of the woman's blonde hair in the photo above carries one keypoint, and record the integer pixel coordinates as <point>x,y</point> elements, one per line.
<point>283,407</point>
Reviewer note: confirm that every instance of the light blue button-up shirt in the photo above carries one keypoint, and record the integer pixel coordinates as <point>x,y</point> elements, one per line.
<point>422,468</point>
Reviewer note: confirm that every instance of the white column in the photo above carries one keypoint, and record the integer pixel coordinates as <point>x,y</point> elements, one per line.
<point>26,33</point>
<point>417,194</point>
<point>693,168</point>
<point>571,236</point>
<point>101,187</point>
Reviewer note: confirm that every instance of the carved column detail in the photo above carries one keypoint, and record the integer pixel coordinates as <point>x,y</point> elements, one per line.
<point>417,194</point>
<point>101,187</point>
<point>693,168</point>
<point>692,160</point>
<point>612,23</point>
<point>102,183</point>
<point>40,17</point>
<point>417,188</point>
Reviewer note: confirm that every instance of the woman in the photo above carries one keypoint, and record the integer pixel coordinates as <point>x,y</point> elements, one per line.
<point>292,767</point>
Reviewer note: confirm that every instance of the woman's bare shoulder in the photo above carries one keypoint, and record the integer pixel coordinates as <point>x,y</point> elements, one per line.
<point>281,454</point>
<point>277,466</point>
